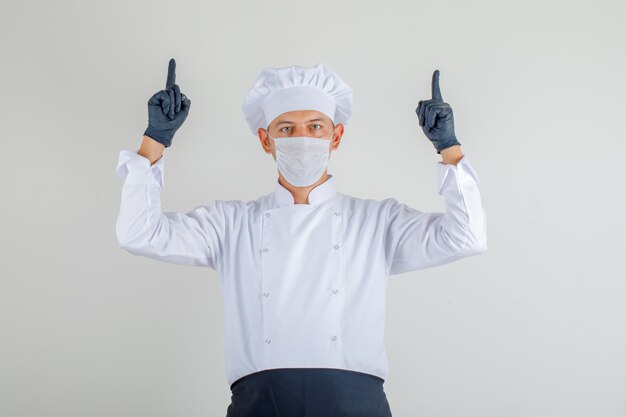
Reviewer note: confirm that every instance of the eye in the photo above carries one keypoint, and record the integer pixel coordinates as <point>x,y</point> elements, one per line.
<point>286,127</point>
<point>317,125</point>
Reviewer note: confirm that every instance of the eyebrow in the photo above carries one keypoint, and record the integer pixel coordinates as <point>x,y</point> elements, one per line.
<point>289,122</point>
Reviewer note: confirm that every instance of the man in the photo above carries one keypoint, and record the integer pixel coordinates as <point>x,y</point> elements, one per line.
<point>303,270</point>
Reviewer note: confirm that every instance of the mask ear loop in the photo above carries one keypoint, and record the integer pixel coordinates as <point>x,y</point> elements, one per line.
<point>270,136</point>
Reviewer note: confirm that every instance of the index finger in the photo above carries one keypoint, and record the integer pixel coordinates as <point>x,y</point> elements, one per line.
<point>171,74</point>
<point>436,92</point>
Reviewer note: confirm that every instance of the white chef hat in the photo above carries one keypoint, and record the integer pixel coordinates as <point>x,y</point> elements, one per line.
<point>279,90</point>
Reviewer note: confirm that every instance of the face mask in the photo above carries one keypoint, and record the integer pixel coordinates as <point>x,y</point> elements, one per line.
<point>302,159</point>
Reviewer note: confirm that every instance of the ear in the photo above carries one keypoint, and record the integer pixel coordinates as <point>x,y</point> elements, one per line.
<point>265,140</point>
<point>337,135</point>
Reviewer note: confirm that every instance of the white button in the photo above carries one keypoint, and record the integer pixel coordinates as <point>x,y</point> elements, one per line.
<point>335,291</point>
<point>333,338</point>
<point>268,341</point>
<point>265,250</point>
<point>336,246</point>
<point>268,214</point>
<point>266,294</point>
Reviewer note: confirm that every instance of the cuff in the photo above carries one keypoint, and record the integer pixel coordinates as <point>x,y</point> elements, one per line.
<point>138,168</point>
<point>462,171</point>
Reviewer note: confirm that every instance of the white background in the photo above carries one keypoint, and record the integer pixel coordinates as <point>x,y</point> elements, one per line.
<point>534,327</point>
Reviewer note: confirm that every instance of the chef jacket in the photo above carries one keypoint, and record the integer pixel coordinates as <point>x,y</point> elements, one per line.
<point>303,285</point>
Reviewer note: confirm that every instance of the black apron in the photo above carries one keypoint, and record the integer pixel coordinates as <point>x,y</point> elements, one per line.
<point>308,392</point>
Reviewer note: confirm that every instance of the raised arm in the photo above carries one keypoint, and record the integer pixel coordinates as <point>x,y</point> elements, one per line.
<point>192,238</point>
<point>414,239</point>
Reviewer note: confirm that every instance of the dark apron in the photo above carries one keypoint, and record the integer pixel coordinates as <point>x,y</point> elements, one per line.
<point>308,392</point>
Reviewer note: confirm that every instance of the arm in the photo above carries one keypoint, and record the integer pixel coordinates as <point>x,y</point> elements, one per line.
<point>416,240</point>
<point>191,238</point>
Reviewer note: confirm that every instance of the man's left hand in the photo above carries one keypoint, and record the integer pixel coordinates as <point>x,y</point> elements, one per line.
<point>436,118</point>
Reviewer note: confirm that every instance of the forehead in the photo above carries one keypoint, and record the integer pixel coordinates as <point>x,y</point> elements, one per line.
<point>299,117</point>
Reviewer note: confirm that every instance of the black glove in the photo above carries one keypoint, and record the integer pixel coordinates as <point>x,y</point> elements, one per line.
<point>436,118</point>
<point>167,109</point>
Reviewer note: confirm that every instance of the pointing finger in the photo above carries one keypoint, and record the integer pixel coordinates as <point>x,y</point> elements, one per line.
<point>436,93</point>
<point>171,74</point>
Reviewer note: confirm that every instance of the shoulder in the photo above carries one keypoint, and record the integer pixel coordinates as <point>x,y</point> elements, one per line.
<point>242,206</point>
<point>369,205</point>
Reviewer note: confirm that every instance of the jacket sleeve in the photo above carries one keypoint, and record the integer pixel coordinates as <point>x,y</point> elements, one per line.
<point>192,238</point>
<point>416,240</point>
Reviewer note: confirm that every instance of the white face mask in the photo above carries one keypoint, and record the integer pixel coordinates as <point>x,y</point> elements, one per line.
<point>302,159</point>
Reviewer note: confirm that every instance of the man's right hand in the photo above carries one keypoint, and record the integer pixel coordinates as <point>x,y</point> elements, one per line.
<point>167,109</point>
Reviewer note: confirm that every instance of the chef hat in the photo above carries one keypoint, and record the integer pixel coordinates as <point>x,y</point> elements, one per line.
<point>279,90</point>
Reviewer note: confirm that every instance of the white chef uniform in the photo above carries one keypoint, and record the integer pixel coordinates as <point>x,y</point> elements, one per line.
<point>304,285</point>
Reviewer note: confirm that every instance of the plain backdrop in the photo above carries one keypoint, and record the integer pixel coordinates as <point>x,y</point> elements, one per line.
<point>534,327</point>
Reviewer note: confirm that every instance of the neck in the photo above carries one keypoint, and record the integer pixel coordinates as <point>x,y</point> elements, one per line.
<point>301,194</point>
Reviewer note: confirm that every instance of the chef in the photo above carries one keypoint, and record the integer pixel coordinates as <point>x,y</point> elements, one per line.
<point>303,270</point>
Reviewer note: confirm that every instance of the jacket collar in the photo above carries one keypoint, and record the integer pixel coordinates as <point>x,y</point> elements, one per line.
<point>319,194</point>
